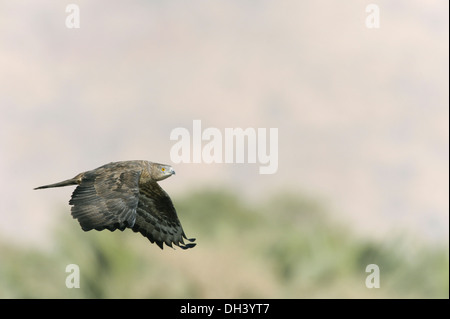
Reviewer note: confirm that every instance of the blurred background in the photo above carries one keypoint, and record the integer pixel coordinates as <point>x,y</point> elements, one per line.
<point>362,118</point>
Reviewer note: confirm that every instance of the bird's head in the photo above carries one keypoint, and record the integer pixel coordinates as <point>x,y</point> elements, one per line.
<point>161,171</point>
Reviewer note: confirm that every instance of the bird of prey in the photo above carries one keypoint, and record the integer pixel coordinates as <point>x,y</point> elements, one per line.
<point>124,195</point>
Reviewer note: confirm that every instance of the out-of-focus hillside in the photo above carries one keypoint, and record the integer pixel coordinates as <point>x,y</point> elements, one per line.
<point>286,247</point>
<point>362,113</point>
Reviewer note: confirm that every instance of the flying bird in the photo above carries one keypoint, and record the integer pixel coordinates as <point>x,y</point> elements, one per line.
<point>126,194</point>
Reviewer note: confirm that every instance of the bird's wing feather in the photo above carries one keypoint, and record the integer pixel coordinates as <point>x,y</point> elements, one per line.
<point>107,197</point>
<point>157,219</point>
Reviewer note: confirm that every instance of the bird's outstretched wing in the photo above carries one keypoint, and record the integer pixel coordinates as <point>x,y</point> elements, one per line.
<point>107,197</point>
<point>157,219</point>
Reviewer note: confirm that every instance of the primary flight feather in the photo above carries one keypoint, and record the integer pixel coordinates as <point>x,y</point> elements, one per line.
<point>124,195</point>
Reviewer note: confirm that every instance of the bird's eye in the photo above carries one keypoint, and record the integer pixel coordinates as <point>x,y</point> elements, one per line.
<point>163,169</point>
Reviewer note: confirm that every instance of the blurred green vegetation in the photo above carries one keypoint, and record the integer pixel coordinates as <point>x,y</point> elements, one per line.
<point>288,246</point>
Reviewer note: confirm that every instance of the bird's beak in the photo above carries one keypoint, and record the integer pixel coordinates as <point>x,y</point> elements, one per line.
<point>172,171</point>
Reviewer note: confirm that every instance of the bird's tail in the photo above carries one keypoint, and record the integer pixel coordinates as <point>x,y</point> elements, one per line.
<point>73,181</point>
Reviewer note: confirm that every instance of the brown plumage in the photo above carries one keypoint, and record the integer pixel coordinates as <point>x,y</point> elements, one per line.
<point>124,195</point>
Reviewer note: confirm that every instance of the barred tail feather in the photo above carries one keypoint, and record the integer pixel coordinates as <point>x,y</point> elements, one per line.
<point>73,181</point>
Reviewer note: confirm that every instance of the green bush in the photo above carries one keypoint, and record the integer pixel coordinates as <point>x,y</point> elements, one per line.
<point>285,247</point>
